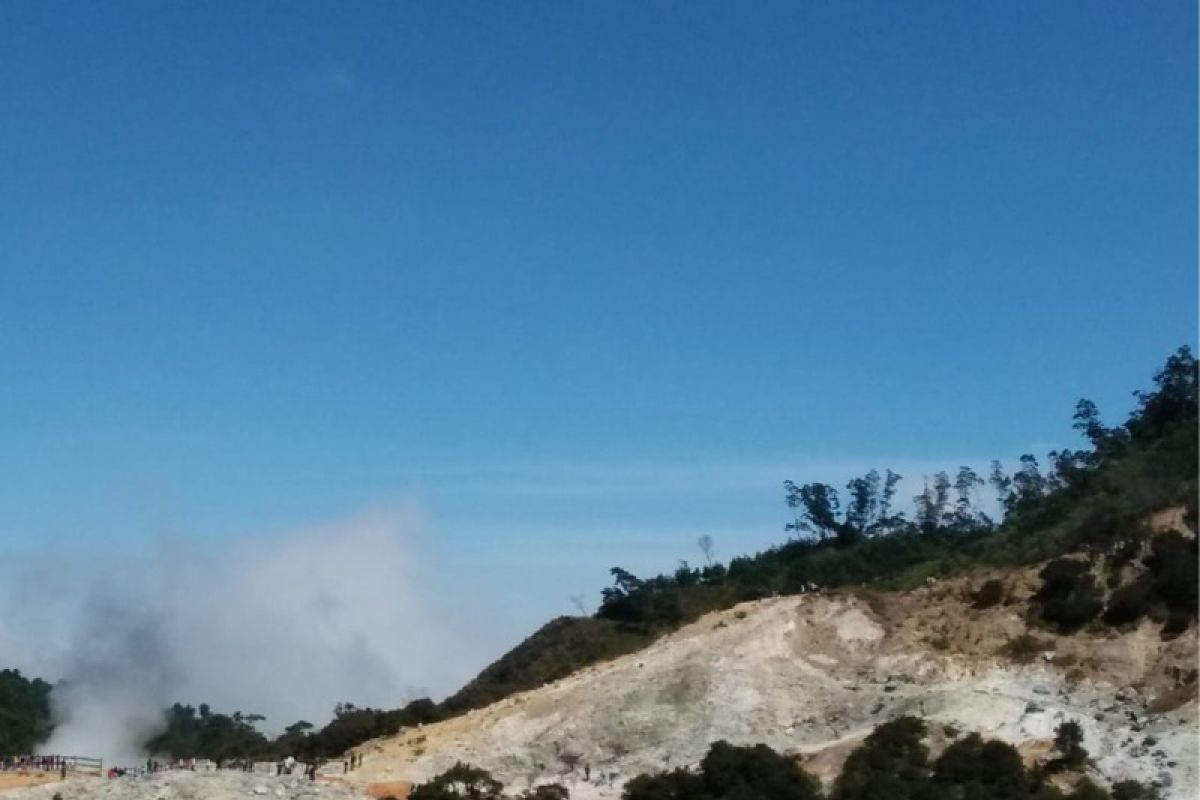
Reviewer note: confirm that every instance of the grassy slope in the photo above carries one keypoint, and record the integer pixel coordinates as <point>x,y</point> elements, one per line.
<point>557,649</point>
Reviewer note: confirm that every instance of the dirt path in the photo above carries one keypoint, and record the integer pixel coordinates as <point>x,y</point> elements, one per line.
<point>17,780</point>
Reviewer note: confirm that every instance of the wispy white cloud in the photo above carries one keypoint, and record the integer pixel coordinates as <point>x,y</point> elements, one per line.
<point>581,479</point>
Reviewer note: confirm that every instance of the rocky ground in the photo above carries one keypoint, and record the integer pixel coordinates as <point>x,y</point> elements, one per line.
<point>186,785</point>
<point>811,675</point>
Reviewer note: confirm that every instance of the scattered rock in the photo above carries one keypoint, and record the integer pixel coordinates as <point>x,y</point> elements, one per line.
<point>1127,694</point>
<point>803,675</point>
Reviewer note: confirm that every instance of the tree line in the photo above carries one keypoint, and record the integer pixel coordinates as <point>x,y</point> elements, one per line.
<point>200,732</point>
<point>1093,501</point>
<point>24,712</point>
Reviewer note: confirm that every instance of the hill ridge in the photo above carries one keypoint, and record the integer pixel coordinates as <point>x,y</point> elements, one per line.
<point>803,673</point>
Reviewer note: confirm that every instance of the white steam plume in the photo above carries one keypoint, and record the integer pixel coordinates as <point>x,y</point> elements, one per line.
<point>117,674</point>
<point>284,626</point>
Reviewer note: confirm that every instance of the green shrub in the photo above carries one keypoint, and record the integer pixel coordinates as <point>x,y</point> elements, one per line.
<point>1172,565</point>
<point>891,764</point>
<point>460,782</point>
<point>729,772</point>
<point>1129,603</point>
<point>982,770</point>
<point>678,784</point>
<point>991,593</point>
<point>1068,740</point>
<point>1132,790</point>
<point>24,712</point>
<point>1024,648</point>
<point>559,648</point>
<point>1087,789</point>
<point>745,772</point>
<point>1068,598</point>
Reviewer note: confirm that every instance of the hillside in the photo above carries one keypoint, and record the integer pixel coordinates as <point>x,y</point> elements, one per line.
<point>1097,502</point>
<point>1094,560</point>
<point>811,675</point>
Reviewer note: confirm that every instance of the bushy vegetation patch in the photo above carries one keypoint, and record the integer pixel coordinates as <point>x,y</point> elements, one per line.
<point>1166,589</point>
<point>553,652</point>
<point>990,594</point>
<point>202,733</point>
<point>24,712</point>
<point>1068,740</point>
<point>1129,603</point>
<point>985,770</point>
<point>1069,597</point>
<point>460,782</point>
<point>729,772</point>
<point>1025,648</point>
<point>893,763</point>
<point>1172,566</point>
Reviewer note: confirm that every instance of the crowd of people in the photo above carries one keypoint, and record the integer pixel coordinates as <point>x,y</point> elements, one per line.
<point>152,766</point>
<point>288,765</point>
<point>63,764</point>
<point>37,762</point>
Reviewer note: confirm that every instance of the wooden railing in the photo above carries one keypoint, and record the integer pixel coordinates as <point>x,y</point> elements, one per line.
<point>86,764</point>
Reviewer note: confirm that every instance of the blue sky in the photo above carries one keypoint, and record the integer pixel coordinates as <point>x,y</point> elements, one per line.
<point>580,281</point>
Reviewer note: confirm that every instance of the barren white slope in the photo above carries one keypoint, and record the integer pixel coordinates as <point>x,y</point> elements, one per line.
<point>812,674</point>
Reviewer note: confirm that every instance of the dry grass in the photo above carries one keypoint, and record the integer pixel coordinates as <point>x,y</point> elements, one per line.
<point>1025,648</point>
<point>17,780</point>
<point>1173,699</point>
